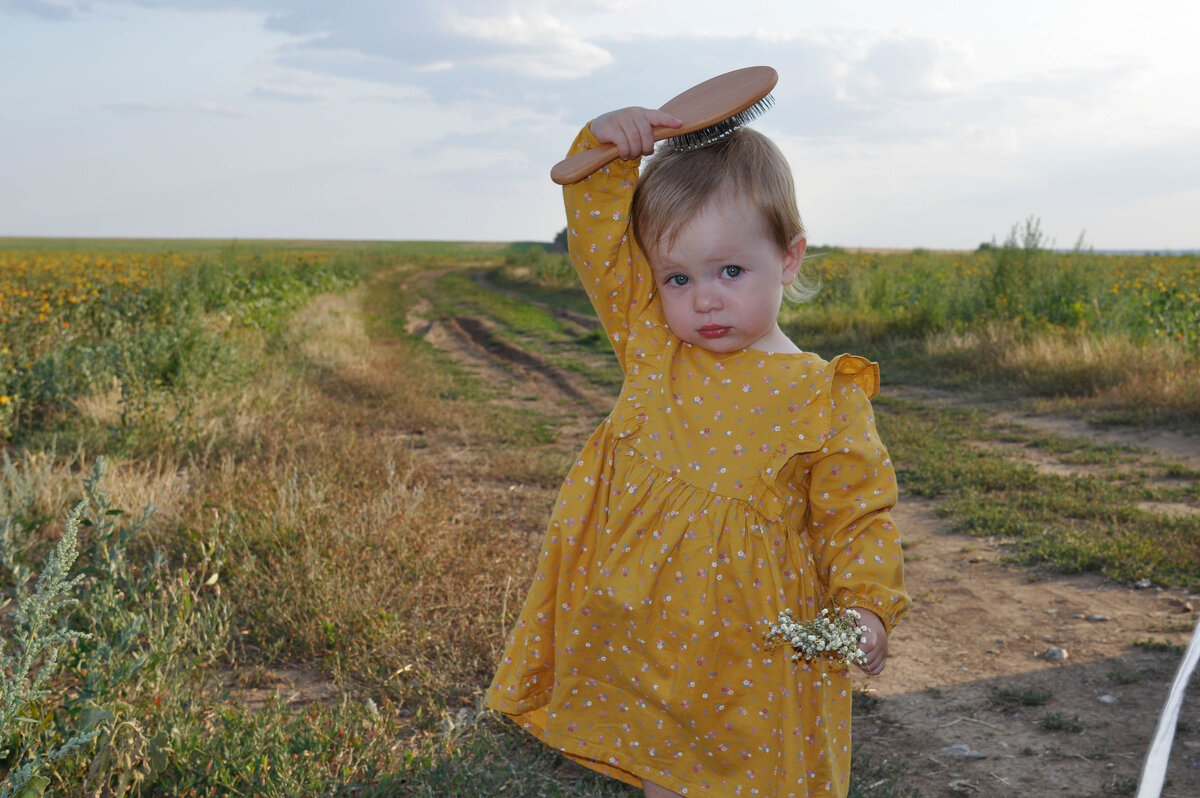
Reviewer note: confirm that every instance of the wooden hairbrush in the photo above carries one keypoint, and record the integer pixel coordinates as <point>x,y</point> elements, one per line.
<point>709,111</point>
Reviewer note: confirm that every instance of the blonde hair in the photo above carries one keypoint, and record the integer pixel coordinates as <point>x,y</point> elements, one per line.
<point>675,186</point>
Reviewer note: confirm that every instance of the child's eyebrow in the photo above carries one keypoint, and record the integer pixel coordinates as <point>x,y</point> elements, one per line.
<point>657,266</point>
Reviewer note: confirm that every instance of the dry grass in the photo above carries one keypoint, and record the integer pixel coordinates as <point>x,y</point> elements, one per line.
<point>349,546</point>
<point>41,484</point>
<point>1095,373</point>
<point>103,407</point>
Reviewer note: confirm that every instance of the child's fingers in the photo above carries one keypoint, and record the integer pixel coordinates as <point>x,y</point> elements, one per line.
<point>876,658</point>
<point>631,130</point>
<point>662,119</point>
<point>644,135</point>
<point>634,135</point>
<point>621,137</point>
<point>645,126</point>
<point>614,128</point>
<point>631,134</point>
<point>873,664</point>
<point>871,668</point>
<point>874,644</point>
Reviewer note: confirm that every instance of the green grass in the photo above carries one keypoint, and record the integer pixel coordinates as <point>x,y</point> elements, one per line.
<point>1056,722</point>
<point>1161,646</point>
<point>490,757</point>
<point>547,279</point>
<point>874,298</point>
<point>1078,451</point>
<point>1007,697</point>
<point>1070,524</point>
<point>454,388</point>
<point>460,293</point>
<point>1120,675</point>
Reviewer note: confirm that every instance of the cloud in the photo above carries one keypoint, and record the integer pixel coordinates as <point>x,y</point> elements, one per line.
<point>530,42</point>
<point>827,89</point>
<point>54,10</point>
<point>525,38</point>
<point>137,108</point>
<point>284,94</point>
<point>900,68</point>
<point>541,54</point>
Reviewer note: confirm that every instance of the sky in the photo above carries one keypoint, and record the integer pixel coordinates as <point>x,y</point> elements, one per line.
<point>923,123</point>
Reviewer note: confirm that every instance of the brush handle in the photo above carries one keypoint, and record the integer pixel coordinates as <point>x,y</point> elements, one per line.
<point>581,164</point>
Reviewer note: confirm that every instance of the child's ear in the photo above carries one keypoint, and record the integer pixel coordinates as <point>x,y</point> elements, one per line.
<point>793,256</point>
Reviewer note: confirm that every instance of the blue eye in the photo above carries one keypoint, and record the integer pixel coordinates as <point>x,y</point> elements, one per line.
<point>731,271</point>
<point>678,279</point>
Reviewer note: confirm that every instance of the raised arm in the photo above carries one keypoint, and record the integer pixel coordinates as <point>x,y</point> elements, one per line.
<point>610,265</point>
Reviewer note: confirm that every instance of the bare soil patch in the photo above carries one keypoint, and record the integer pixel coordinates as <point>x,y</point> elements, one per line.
<point>295,684</point>
<point>1042,462</point>
<point>974,648</point>
<point>1168,445</point>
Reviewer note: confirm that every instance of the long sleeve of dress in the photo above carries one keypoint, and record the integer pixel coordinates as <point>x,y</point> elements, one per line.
<point>851,494</point>
<point>610,265</point>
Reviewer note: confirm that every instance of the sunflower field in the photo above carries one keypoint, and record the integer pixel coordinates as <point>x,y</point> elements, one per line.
<point>142,324</point>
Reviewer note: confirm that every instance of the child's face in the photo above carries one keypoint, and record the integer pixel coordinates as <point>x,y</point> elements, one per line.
<point>721,283</point>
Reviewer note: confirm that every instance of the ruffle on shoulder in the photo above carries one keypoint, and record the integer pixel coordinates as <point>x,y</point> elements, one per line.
<point>862,372</point>
<point>811,423</point>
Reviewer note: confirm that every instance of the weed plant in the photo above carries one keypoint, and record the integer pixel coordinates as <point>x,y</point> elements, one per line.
<point>1162,646</point>
<point>1019,697</point>
<point>1020,283</point>
<point>873,777</point>
<point>1120,675</point>
<point>1056,722</point>
<point>26,670</point>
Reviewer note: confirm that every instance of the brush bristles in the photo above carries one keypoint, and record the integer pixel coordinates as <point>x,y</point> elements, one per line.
<point>714,133</point>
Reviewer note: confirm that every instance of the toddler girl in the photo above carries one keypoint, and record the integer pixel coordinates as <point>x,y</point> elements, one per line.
<point>737,477</point>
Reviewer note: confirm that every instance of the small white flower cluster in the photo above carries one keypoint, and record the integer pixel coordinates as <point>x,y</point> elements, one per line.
<point>826,634</point>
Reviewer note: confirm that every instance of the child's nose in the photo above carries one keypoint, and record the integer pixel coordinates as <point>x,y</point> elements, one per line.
<point>705,298</point>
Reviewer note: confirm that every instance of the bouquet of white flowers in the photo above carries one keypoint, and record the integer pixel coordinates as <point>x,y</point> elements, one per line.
<point>835,635</point>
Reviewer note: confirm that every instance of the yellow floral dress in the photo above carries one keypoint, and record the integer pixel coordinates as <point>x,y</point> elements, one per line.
<point>722,489</point>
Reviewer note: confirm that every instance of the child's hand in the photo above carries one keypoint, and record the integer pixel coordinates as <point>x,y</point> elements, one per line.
<point>631,129</point>
<point>875,645</point>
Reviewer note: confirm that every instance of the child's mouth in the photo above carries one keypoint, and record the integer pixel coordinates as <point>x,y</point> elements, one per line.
<point>713,331</point>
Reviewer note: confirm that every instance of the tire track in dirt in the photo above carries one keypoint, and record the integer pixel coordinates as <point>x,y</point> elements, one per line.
<point>472,342</point>
<point>477,333</point>
<point>581,321</point>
